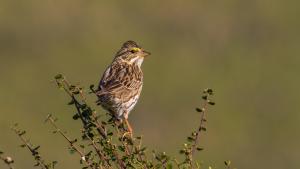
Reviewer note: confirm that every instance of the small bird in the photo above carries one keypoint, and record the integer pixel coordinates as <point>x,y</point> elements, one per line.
<point>121,83</point>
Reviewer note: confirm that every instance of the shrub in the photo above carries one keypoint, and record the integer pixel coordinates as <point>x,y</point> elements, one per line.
<point>107,142</point>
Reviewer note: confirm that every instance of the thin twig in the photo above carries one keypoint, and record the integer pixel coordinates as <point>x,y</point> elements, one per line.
<point>127,151</point>
<point>99,152</point>
<point>33,151</point>
<point>82,156</point>
<point>200,129</point>
<point>66,86</point>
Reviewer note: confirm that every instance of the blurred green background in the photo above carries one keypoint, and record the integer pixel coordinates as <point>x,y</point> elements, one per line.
<point>247,51</point>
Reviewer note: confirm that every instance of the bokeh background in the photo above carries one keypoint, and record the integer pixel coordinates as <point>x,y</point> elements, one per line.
<point>247,51</point>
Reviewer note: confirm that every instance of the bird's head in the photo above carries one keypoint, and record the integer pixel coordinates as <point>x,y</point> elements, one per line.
<point>132,53</point>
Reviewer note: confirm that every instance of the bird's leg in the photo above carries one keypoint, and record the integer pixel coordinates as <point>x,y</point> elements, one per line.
<point>129,128</point>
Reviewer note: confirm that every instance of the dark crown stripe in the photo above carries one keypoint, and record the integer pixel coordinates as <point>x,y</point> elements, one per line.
<point>130,43</point>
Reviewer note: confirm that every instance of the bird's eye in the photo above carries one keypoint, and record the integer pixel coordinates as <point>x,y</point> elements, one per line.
<point>134,50</point>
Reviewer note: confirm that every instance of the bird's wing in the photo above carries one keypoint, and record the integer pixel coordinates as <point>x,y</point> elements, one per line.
<point>119,77</point>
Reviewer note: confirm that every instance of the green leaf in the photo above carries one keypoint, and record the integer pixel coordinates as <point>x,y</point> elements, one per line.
<point>110,133</point>
<point>58,76</point>
<point>92,86</point>
<point>36,148</point>
<point>54,163</point>
<point>23,145</point>
<point>211,103</point>
<point>190,139</point>
<point>73,141</point>
<point>75,117</point>
<point>22,133</point>
<point>121,148</point>
<point>169,166</point>
<point>209,91</point>
<point>72,150</point>
<point>60,85</point>
<point>204,97</point>
<point>227,163</point>
<point>199,148</point>
<point>144,149</point>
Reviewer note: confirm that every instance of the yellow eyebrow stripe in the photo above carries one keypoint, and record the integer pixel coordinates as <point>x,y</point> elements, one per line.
<point>136,49</point>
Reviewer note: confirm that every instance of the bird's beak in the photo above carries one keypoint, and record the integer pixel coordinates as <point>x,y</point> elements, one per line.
<point>145,53</point>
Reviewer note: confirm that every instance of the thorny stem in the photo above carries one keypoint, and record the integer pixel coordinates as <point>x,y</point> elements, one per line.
<point>137,149</point>
<point>100,128</point>
<point>127,151</point>
<point>66,86</point>
<point>134,150</point>
<point>98,151</point>
<point>207,93</point>
<point>198,133</point>
<point>34,152</point>
<point>82,156</point>
<point>120,162</point>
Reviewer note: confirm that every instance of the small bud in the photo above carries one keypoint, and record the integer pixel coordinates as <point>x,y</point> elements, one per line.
<point>204,97</point>
<point>8,160</point>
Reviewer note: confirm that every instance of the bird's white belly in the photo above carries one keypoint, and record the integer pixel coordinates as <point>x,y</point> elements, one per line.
<point>132,102</point>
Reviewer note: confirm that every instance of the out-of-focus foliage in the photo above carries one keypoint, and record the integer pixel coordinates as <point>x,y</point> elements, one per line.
<point>248,51</point>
